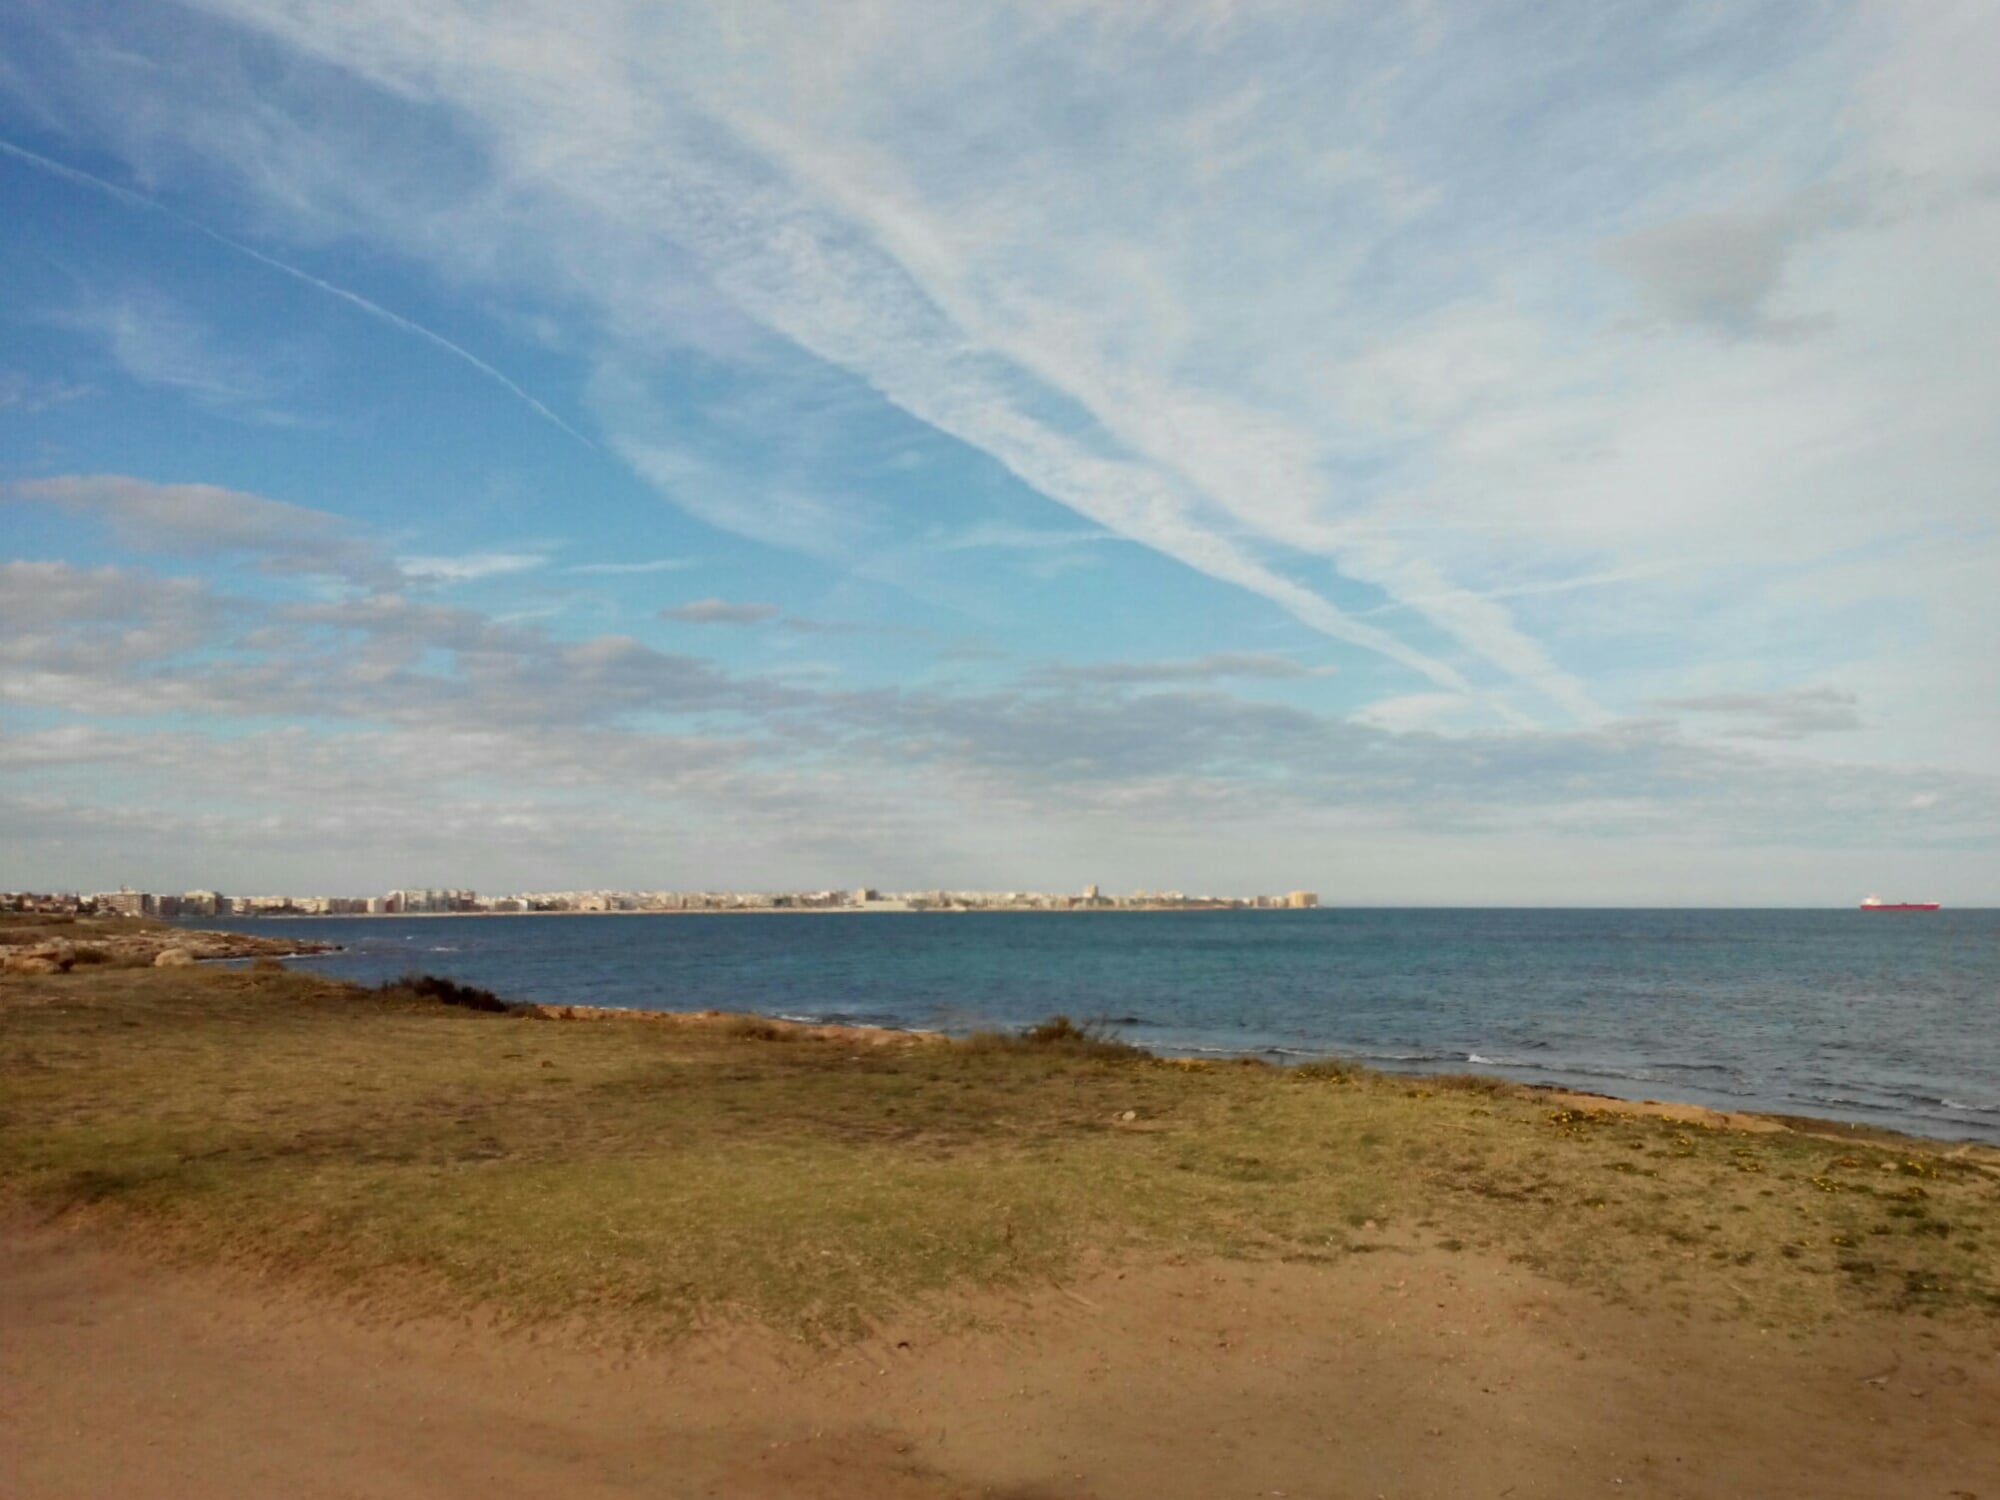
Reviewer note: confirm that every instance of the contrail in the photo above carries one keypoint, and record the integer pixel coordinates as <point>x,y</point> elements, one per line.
<point>372,309</point>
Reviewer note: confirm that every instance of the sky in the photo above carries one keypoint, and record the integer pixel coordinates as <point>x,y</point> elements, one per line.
<point>1423,452</point>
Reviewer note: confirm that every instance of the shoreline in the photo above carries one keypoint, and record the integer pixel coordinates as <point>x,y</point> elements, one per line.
<point>1827,1125</point>
<point>1686,1110</point>
<point>1747,1121</point>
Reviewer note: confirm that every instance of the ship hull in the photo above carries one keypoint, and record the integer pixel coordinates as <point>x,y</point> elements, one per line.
<point>1899,905</point>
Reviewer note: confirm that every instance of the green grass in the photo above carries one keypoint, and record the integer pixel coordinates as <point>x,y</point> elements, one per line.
<point>655,1177</point>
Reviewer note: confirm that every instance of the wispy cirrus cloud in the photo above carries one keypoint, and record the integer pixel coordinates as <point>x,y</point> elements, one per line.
<point>160,354</point>
<point>20,392</point>
<point>1337,343</point>
<point>154,340</point>
<point>808,266</point>
<point>633,569</point>
<point>1019,538</point>
<point>469,567</point>
<point>1372,328</point>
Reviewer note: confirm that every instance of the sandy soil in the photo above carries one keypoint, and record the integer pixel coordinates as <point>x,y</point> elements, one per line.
<point>1390,1374</point>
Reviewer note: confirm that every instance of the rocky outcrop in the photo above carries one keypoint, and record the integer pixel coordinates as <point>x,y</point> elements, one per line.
<point>116,945</point>
<point>32,963</point>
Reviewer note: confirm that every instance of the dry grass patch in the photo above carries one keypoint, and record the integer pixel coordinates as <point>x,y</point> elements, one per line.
<point>662,1176</point>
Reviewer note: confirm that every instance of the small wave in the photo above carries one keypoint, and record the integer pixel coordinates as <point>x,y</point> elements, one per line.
<point>1841,1101</point>
<point>1976,1109</point>
<point>1889,1100</point>
<point>1402,1057</point>
<point>801,1020</point>
<point>1480,1059</point>
<point>443,948</point>
<point>1629,1075</point>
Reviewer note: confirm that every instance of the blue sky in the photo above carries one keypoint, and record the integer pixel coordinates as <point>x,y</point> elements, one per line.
<point>1424,452</point>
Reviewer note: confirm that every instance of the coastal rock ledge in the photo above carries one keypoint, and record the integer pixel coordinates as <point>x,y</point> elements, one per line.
<point>28,949</point>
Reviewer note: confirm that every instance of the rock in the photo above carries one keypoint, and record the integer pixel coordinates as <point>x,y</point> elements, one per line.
<point>172,958</point>
<point>1130,1114</point>
<point>32,963</point>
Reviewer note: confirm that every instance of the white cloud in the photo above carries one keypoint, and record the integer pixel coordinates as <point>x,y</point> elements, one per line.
<point>721,612</point>
<point>206,520</point>
<point>619,570</point>
<point>422,710</point>
<point>1776,716</point>
<point>1019,538</point>
<point>1722,269</point>
<point>471,566</point>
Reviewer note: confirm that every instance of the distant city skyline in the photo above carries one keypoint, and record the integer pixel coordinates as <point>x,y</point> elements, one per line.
<point>1435,455</point>
<point>430,901</point>
<point>128,900</point>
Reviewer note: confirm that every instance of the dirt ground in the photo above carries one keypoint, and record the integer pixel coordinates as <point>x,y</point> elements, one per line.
<point>1393,1374</point>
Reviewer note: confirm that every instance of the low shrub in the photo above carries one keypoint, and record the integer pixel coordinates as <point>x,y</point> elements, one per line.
<point>1059,1034</point>
<point>757,1029</point>
<point>444,991</point>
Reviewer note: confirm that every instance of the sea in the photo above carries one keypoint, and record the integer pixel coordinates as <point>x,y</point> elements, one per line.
<point>1889,1019</point>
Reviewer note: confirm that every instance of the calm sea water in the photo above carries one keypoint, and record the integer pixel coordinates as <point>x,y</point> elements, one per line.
<point>1892,1019</point>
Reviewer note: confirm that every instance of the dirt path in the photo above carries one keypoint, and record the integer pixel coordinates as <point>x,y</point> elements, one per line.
<point>1425,1374</point>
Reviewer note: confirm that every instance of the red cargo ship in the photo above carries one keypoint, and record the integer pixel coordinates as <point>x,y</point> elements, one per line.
<point>1876,903</point>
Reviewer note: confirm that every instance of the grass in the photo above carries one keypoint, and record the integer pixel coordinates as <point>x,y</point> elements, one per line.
<point>26,929</point>
<point>444,1155</point>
